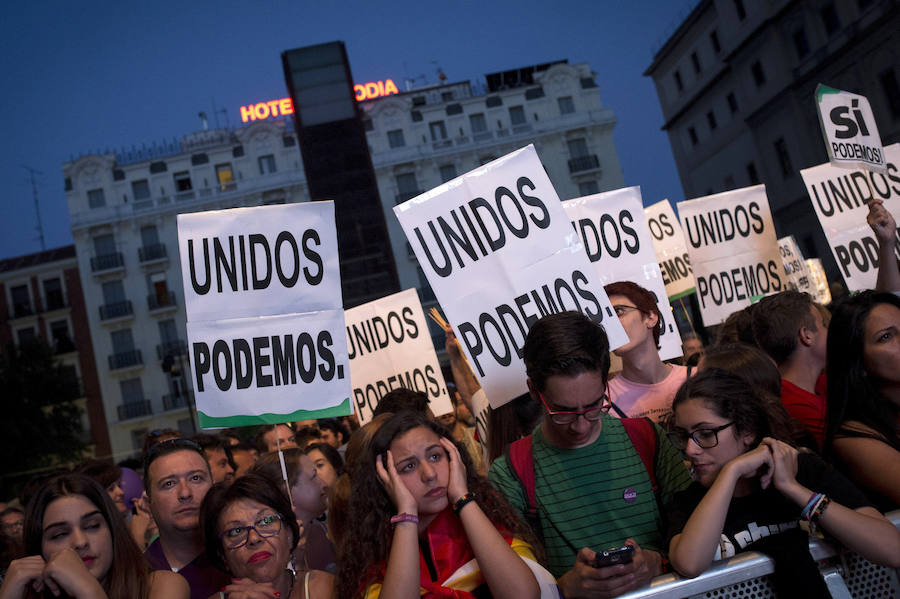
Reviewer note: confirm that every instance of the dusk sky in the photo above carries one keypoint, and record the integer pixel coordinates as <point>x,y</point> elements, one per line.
<point>82,77</point>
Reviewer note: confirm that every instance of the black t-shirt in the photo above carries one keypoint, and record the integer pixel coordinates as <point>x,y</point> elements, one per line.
<point>766,512</point>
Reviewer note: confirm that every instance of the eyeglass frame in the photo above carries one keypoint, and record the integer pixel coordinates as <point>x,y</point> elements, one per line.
<point>253,526</point>
<point>604,408</point>
<point>616,308</point>
<point>672,435</point>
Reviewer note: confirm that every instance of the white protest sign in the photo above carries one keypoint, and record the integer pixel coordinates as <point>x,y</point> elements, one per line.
<point>500,253</point>
<point>265,317</point>
<point>840,199</point>
<point>613,229</point>
<point>795,268</point>
<point>848,124</point>
<point>390,347</point>
<point>820,281</point>
<point>671,251</point>
<point>734,253</point>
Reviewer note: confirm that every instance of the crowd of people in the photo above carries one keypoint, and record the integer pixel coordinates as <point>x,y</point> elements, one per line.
<point>786,426</point>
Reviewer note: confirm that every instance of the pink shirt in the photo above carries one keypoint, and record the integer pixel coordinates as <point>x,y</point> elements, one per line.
<point>638,400</point>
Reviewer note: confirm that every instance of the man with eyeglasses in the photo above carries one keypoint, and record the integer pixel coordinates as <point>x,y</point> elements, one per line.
<point>592,488</point>
<point>647,385</point>
<point>176,479</point>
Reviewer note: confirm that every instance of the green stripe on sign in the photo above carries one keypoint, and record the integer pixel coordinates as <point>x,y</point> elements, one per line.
<point>821,90</point>
<point>687,292</point>
<point>342,409</point>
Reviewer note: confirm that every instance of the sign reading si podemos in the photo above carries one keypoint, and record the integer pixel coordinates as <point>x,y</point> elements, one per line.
<point>500,253</point>
<point>849,127</point>
<point>734,253</point>
<point>390,347</point>
<point>615,235</point>
<point>265,321</point>
<point>671,250</point>
<point>840,198</point>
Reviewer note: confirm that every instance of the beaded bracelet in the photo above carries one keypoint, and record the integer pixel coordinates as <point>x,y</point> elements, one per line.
<point>463,501</point>
<point>404,517</point>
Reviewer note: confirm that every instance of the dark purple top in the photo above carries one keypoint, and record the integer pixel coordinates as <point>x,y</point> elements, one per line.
<point>202,576</point>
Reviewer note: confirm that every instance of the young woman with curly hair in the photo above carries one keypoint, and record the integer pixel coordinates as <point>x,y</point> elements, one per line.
<point>422,522</point>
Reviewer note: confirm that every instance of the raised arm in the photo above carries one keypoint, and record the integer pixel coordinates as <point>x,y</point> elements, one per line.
<point>466,382</point>
<point>885,229</point>
<point>401,581</point>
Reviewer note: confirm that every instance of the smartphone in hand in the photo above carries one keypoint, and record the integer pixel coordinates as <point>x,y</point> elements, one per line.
<point>612,557</point>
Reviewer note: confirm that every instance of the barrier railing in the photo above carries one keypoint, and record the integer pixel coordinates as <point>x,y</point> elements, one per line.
<point>748,575</point>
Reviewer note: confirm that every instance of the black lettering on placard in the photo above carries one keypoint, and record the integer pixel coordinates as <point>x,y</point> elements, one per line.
<point>862,253</point>
<point>855,189</point>
<point>848,127</point>
<point>235,364</point>
<point>377,332</point>
<point>501,331</point>
<point>675,269</point>
<point>739,284</point>
<point>422,379</point>
<point>718,226</point>
<point>231,256</point>
<point>459,242</point>
<point>660,227</point>
<point>610,233</point>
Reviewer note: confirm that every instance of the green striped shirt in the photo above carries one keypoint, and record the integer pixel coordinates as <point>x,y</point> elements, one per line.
<point>595,496</point>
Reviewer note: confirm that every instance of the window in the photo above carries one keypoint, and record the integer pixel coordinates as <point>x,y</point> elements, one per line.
<point>801,44</point>
<point>493,101</point>
<point>418,101</point>
<point>714,40</point>
<point>236,152</point>
<point>182,181</point>
<point>830,18</point>
<point>158,167</point>
<point>578,147</point>
<point>202,158</point>
<point>140,190</point>
<point>588,83</point>
<point>21,300</point>
<point>695,60</point>
<point>25,335</point>
<point>266,164</point>
<point>416,116</point>
<point>740,10</point>
<point>888,81</point>
<point>113,292</point>
<point>678,84</point>
<point>224,175</point>
<point>395,138</point>
<point>784,159</point>
<point>448,171</point>
<point>168,332</point>
<point>132,391</point>
<point>96,198</point>
<point>446,96</point>
<point>732,102</point>
<point>478,123</point>
<point>289,141</point>
<point>53,294</point>
<point>534,93</point>
<point>711,120</point>
<point>586,188</point>
<point>59,333</point>
<point>407,187</point>
<point>752,174</point>
<point>516,115</point>
<point>122,341</point>
<point>438,130</point>
<point>759,77</point>
<point>104,245</point>
<point>692,133</point>
<point>566,105</point>
<point>454,109</point>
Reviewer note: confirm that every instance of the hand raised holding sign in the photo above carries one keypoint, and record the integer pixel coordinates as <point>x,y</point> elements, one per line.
<point>885,228</point>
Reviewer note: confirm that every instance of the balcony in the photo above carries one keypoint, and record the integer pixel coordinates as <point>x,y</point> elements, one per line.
<point>116,310</point>
<point>442,144</point>
<point>135,409</point>
<point>482,136</point>
<point>152,253</point>
<point>522,128</point>
<point>175,347</point>
<point>583,163</point>
<point>402,197</point>
<point>107,262</point>
<point>156,301</point>
<point>177,401</point>
<point>125,359</point>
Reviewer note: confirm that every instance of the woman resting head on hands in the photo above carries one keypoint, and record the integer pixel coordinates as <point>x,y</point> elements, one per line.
<point>77,545</point>
<point>425,523</point>
<point>752,490</point>
<point>862,432</point>
<point>251,533</point>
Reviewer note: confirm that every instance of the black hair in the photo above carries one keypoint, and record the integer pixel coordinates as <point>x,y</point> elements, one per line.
<point>401,400</point>
<point>336,427</point>
<point>331,454</point>
<point>566,344</point>
<point>777,319</point>
<point>165,448</point>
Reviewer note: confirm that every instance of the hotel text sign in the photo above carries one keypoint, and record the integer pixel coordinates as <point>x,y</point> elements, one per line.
<point>284,106</point>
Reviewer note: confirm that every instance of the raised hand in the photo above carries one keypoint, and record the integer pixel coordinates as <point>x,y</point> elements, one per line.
<point>457,485</point>
<point>65,573</point>
<point>400,496</point>
<point>21,573</point>
<point>881,221</point>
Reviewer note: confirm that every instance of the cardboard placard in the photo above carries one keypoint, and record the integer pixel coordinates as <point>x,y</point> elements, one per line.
<point>671,250</point>
<point>848,124</point>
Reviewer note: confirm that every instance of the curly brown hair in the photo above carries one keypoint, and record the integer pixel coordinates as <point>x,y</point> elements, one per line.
<point>368,536</point>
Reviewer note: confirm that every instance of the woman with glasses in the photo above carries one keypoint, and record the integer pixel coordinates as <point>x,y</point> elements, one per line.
<point>251,532</point>
<point>753,490</point>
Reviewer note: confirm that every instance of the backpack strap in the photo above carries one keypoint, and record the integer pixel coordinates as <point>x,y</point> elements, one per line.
<point>643,437</point>
<point>521,464</point>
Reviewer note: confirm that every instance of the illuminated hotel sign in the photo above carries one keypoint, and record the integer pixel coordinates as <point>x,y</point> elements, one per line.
<point>284,106</point>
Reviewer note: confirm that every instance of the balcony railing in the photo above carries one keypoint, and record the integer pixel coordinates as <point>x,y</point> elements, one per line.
<point>176,401</point>
<point>176,347</point>
<point>125,359</point>
<point>54,301</point>
<point>155,251</point>
<point>135,409</point>
<point>155,302</point>
<point>107,262</point>
<point>583,163</point>
<point>116,310</point>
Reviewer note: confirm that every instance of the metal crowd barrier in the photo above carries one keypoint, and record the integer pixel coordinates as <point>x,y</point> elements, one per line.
<point>748,575</point>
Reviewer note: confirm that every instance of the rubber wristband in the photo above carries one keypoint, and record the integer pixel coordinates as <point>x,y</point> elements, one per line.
<point>404,517</point>
<point>463,501</point>
<point>820,509</point>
